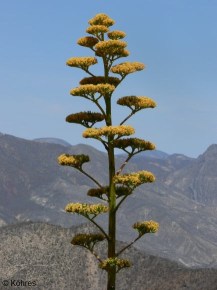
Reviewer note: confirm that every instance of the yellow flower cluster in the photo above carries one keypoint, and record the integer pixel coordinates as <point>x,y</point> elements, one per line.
<point>124,53</point>
<point>87,41</point>
<point>81,62</point>
<point>87,240</point>
<point>119,190</point>
<point>98,192</point>
<point>85,90</point>
<point>123,130</point>
<point>116,263</point>
<point>111,47</point>
<point>122,190</point>
<point>84,118</point>
<point>126,68</point>
<point>73,160</point>
<point>116,34</point>
<point>136,102</point>
<point>95,29</point>
<point>101,19</point>
<point>146,227</point>
<point>86,209</point>
<point>134,143</point>
<point>134,179</point>
<point>100,80</point>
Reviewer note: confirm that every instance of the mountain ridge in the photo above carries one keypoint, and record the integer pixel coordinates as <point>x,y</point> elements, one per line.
<point>34,187</point>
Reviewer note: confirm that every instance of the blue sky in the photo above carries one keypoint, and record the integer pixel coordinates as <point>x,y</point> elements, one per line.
<point>176,39</point>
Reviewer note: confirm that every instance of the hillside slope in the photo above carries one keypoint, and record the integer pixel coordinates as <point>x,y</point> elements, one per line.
<point>43,253</point>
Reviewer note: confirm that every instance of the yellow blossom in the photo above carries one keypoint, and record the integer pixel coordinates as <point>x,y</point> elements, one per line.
<point>85,90</point>
<point>73,160</point>
<point>136,102</point>
<point>101,19</point>
<point>123,130</point>
<point>87,240</point>
<point>98,192</point>
<point>134,179</point>
<point>116,34</point>
<point>124,53</point>
<point>116,263</point>
<point>111,47</point>
<point>87,41</point>
<point>85,118</point>
<point>134,143</point>
<point>145,227</point>
<point>122,191</point>
<point>92,133</point>
<point>100,80</point>
<point>86,209</point>
<point>96,29</point>
<point>127,68</point>
<point>115,53</point>
<point>81,62</point>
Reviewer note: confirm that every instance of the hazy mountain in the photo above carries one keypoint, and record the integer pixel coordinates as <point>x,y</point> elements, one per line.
<point>53,141</point>
<point>42,254</point>
<point>198,180</point>
<point>151,154</point>
<point>34,187</point>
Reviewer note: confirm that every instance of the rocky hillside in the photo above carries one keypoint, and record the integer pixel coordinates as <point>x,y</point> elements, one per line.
<point>34,187</point>
<point>42,254</point>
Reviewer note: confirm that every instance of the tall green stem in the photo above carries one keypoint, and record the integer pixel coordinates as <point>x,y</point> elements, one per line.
<point>112,217</point>
<point>112,194</point>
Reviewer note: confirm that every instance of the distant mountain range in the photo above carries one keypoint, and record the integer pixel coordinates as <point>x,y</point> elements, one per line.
<point>53,141</point>
<point>155,154</point>
<point>33,187</point>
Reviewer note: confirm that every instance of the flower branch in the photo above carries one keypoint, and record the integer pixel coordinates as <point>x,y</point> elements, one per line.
<point>128,246</point>
<point>90,177</point>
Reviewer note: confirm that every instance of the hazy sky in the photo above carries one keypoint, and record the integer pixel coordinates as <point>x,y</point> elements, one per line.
<point>176,39</point>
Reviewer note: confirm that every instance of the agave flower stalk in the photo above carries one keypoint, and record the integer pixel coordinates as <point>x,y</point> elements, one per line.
<point>108,47</point>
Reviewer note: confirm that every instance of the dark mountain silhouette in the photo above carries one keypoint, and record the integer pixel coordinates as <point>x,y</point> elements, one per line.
<point>33,187</point>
